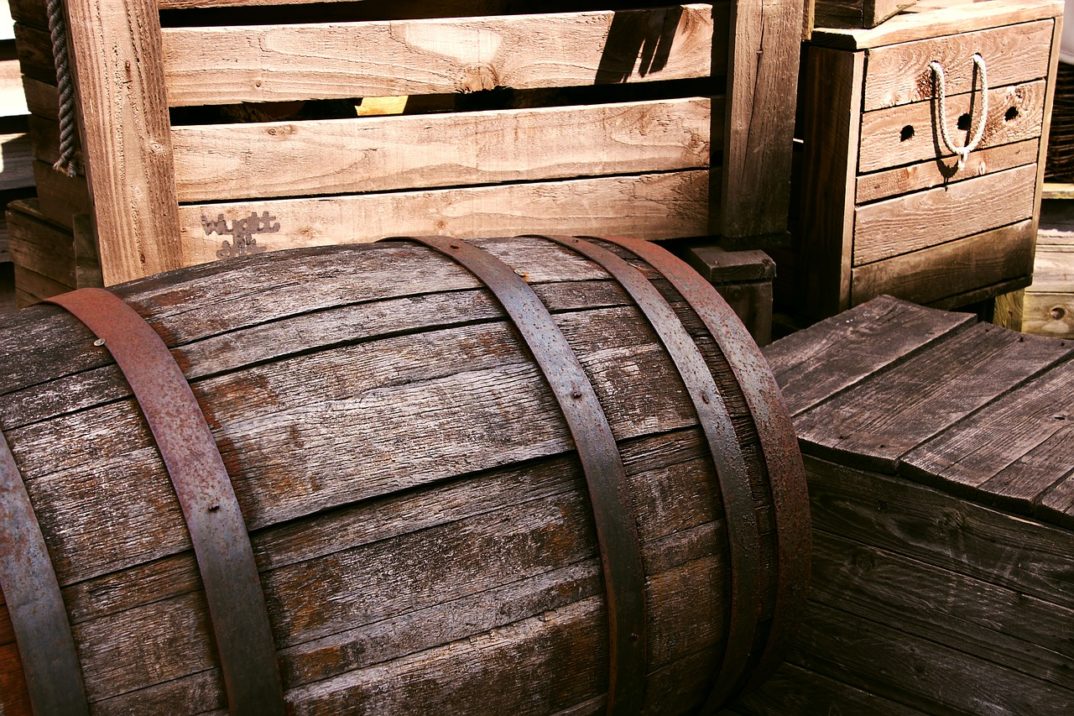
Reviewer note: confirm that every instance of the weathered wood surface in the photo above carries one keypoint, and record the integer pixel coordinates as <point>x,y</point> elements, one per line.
<point>16,162</point>
<point>647,206</point>
<point>1015,113</point>
<point>929,218</point>
<point>232,161</point>
<point>951,268</point>
<point>900,74</point>
<point>39,245</point>
<point>384,437</point>
<point>929,174</point>
<point>932,22</point>
<point>379,59</point>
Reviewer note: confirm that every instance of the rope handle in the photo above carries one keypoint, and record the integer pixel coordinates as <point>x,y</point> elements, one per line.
<point>941,91</point>
<point>57,26</point>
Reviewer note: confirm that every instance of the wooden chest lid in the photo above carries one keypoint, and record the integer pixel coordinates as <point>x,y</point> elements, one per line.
<point>938,398</point>
<point>933,18</point>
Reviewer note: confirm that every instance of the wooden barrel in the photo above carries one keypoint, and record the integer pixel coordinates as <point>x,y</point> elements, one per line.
<point>476,478</point>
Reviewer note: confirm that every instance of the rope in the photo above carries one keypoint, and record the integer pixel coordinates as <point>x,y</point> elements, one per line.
<point>57,27</point>
<point>941,90</point>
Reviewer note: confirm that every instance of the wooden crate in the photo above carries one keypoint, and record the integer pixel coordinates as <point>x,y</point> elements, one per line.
<point>854,13</point>
<point>649,120</point>
<point>16,160</point>
<point>885,209</point>
<point>744,279</point>
<point>939,454</point>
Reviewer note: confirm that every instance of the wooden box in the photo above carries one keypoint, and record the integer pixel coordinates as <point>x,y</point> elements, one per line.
<point>885,207</point>
<point>938,453</point>
<point>744,279</point>
<point>855,13</point>
<point>209,132</point>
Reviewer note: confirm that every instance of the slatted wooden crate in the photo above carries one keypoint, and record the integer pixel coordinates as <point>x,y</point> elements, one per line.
<point>640,119</point>
<point>885,207</point>
<point>938,454</point>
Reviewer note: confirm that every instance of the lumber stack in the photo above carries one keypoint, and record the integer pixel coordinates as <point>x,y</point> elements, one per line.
<point>239,131</point>
<point>938,454</point>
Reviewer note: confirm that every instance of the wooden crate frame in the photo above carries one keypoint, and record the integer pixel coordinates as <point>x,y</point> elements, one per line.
<point>129,71</point>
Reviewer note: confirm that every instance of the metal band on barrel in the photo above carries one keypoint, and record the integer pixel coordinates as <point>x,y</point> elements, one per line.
<point>737,497</point>
<point>613,511</point>
<point>218,532</point>
<point>32,593</point>
<point>783,461</point>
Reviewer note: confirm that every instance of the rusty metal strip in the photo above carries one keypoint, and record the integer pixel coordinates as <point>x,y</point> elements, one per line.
<point>218,533</point>
<point>38,617</point>
<point>742,533</point>
<point>613,510</point>
<point>783,460</point>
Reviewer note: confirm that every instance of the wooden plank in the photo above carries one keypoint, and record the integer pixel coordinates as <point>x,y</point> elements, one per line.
<point>949,269</point>
<point>1048,314</point>
<point>995,623</point>
<point>828,357</point>
<point>409,57</point>
<point>31,287</point>
<point>648,206</point>
<point>1033,454</point>
<point>886,142</point>
<point>1007,311</point>
<point>1058,190</point>
<point>929,174</point>
<point>762,82</point>
<point>1053,268</point>
<point>238,161</point>
<point>41,98</point>
<point>60,196</point>
<point>39,245</point>
<point>832,92</point>
<point>16,162</point>
<point>888,415</point>
<point>1049,103</point>
<point>87,264</point>
<point>916,671</point>
<point>900,74</point>
<point>928,218</point>
<point>964,17</point>
<point>942,530</point>
<point>12,101</point>
<point>125,136</point>
<point>34,48</point>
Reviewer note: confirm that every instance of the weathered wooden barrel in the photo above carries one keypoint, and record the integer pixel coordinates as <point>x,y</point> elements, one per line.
<point>528,475</point>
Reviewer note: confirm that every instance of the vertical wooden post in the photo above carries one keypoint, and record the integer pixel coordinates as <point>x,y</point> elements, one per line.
<point>126,135</point>
<point>1049,101</point>
<point>764,46</point>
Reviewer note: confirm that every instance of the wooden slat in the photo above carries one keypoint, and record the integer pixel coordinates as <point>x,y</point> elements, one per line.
<point>60,196</point>
<point>34,48</point>
<point>899,74</point>
<point>237,161</point>
<point>1016,450</point>
<point>928,174</point>
<point>917,221</point>
<point>762,82</point>
<point>125,135</point>
<point>888,415</point>
<point>12,100</point>
<point>1058,41</point>
<point>951,268</point>
<point>832,91</point>
<point>16,162</point>
<point>408,57</point>
<point>649,206</point>
<point>1049,314</point>
<point>41,97</point>
<point>965,17</point>
<point>38,245</point>
<point>885,142</point>
<point>828,357</point>
<point>31,287</point>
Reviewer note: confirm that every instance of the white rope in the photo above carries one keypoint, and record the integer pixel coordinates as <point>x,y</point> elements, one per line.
<point>941,91</point>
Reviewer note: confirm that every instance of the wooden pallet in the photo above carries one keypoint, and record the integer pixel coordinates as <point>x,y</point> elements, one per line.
<point>653,121</point>
<point>939,458</point>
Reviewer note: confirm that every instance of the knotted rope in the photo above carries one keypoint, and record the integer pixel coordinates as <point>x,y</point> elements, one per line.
<point>57,27</point>
<point>941,91</point>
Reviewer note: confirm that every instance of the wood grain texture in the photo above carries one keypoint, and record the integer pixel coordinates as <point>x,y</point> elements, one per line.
<point>655,206</point>
<point>929,218</point>
<point>60,197</point>
<point>12,101</point>
<point>41,99</point>
<point>409,57</point>
<point>900,74</point>
<point>816,363</point>
<point>832,93</point>
<point>39,245</point>
<point>929,174</point>
<point>882,131</point>
<point>227,162</point>
<point>949,269</point>
<point>959,18</point>
<point>762,82</point>
<point>16,162</point>
<point>890,414</point>
<point>125,135</point>
<point>1049,314</point>
<point>373,524</point>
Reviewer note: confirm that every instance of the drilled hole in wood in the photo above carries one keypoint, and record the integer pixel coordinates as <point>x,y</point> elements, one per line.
<point>1058,313</point>
<point>906,133</point>
<point>964,122</point>
<point>1010,114</point>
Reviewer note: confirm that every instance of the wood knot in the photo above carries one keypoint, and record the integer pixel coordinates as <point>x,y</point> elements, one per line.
<point>478,77</point>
